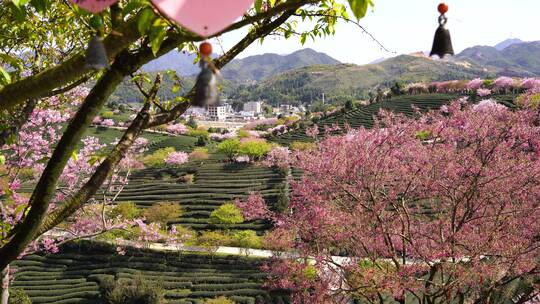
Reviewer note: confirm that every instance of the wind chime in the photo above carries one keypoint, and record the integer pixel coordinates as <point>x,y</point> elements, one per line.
<point>202,17</point>
<point>442,44</point>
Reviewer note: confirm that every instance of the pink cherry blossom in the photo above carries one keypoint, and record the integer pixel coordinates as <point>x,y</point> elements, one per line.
<point>107,122</point>
<point>313,131</point>
<point>278,157</point>
<point>254,207</point>
<point>483,92</point>
<point>177,158</point>
<point>475,84</point>
<point>503,82</point>
<point>464,204</point>
<point>177,129</point>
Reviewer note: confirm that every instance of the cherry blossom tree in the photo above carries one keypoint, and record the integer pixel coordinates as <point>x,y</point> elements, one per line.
<point>475,84</point>
<point>23,162</point>
<point>177,158</point>
<point>440,209</point>
<point>177,129</point>
<point>254,207</point>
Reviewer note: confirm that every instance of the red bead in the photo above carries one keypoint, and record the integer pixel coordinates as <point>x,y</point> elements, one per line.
<point>206,49</point>
<point>443,8</point>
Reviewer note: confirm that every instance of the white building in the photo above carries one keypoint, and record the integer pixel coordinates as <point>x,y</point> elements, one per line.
<point>253,106</point>
<point>217,112</point>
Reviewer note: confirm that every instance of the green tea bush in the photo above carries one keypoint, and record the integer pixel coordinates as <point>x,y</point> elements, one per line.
<point>157,159</point>
<point>302,146</point>
<point>213,238</point>
<point>226,214</point>
<point>199,154</point>
<point>247,239</point>
<point>18,296</point>
<point>127,210</point>
<point>229,147</point>
<point>107,114</point>
<point>219,300</point>
<point>162,213</point>
<point>256,149</point>
<point>136,291</point>
<point>198,132</point>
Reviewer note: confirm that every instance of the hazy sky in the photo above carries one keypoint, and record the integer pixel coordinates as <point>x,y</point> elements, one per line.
<point>407,26</point>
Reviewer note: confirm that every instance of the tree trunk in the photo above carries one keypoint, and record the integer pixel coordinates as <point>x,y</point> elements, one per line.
<point>4,297</point>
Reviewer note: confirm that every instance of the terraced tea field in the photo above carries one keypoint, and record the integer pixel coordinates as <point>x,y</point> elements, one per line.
<point>215,183</point>
<point>179,143</point>
<point>363,116</point>
<point>74,275</point>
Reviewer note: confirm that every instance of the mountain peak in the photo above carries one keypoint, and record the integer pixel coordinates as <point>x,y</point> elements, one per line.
<point>260,66</point>
<point>508,42</point>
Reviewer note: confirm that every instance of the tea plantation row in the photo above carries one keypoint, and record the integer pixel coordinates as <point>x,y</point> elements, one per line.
<point>76,275</point>
<point>214,184</point>
<point>362,116</point>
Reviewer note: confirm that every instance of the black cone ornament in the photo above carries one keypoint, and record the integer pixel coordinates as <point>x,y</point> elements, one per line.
<point>442,43</point>
<point>206,86</point>
<point>206,89</point>
<point>96,54</point>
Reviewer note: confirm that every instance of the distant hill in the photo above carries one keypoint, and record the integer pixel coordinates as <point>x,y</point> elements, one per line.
<point>345,81</point>
<point>508,42</point>
<point>509,58</point>
<point>182,63</point>
<point>261,66</point>
<point>246,69</point>
<point>305,75</point>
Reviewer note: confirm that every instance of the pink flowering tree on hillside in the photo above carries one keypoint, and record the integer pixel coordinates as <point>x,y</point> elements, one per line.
<point>442,209</point>
<point>253,207</point>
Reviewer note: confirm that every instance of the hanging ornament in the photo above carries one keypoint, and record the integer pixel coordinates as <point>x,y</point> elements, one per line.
<point>94,6</point>
<point>96,54</point>
<point>442,44</point>
<point>206,86</point>
<point>203,17</point>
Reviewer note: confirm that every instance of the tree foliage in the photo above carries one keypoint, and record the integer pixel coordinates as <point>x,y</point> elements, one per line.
<point>452,214</point>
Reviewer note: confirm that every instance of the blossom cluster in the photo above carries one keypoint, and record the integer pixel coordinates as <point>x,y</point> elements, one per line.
<point>177,158</point>
<point>402,207</point>
<point>179,129</point>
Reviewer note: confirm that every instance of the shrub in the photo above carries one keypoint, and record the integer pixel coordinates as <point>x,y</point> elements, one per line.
<point>202,140</point>
<point>199,154</point>
<point>226,214</point>
<point>188,179</point>
<point>213,238</point>
<point>107,114</point>
<point>136,291</point>
<point>188,235</point>
<point>242,134</point>
<point>157,159</point>
<point>219,300</point>
<point>247,239</point>
<point>162,213</point>
<point>127,210</point>
<point>302,146</point>
<point>229,147</point>
<point>191,122</point>
<point>255,149</point>
<point>18,296</point>
<point>198,132</point>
